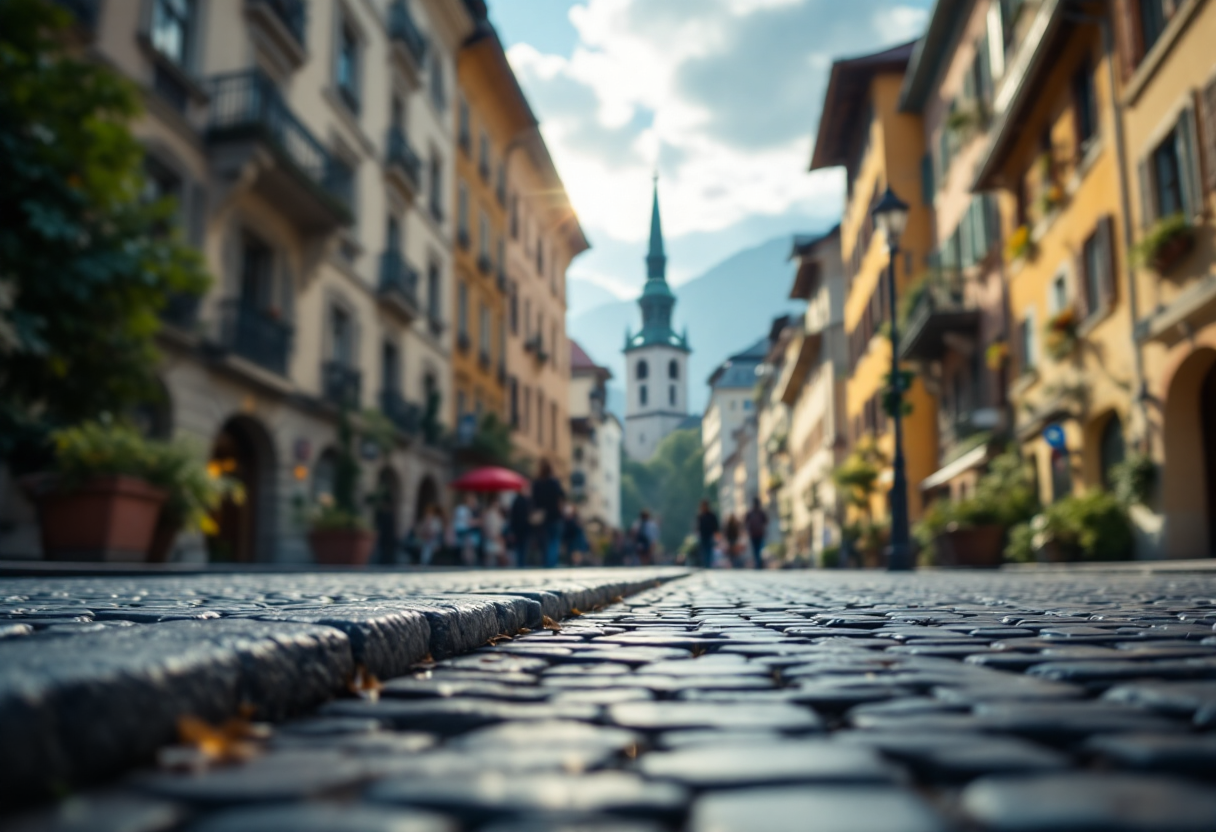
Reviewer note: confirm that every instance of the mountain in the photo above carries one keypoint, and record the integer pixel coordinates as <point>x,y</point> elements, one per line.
<point>725,309</point>
<point>583,296</point>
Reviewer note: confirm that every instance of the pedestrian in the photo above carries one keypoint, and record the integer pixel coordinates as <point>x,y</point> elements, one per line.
<point>643,540</point>
<point>519,527</point>
<point>757,525</point>
<point>464,527</point>
<point>433,526</point>
<point>707,529</point>
<point>732,533</point>
<point>547,499</point>
<point>491,533</point>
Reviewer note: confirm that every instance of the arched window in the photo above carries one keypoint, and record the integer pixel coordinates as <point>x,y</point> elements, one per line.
<point>671,395</point>
<point>643,369</point>
<point>642,395</point>
<point>673,369</point>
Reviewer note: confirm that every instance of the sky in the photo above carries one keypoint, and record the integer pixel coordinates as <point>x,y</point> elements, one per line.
<point>720,97</point>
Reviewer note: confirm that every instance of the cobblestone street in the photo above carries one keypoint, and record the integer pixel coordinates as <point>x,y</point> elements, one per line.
<point>713,702</point>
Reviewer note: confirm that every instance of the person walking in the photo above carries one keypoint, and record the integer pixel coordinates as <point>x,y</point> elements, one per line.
<point>431,534</point>
<point>492,525</point>
<point>573,537</point>
<point>547,499</point>
<point>519,527</point>
<point>707,529</point>
<point>757,525</point>
<point>465,525</point>
<point>732,533</point>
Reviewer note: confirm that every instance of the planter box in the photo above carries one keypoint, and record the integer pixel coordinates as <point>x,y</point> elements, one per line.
<point>106,519</point>
<point>1172,252</point>
<point>341,547</point>
<point>976,546</point>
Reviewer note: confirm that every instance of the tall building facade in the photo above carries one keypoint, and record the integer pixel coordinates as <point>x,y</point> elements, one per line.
<point>595,482</point>
<point>656,358</point>
<point>732,388</point>
<point>308,147</point>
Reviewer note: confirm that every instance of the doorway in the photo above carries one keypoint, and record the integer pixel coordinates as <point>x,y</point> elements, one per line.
<point>242,450</point>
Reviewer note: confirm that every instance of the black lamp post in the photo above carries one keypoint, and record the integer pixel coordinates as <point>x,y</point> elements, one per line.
<point>891,216</point>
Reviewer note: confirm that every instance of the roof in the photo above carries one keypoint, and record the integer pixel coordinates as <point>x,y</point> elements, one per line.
<point>808,274</point>
<point>805,244</point>
<point>739,371</point>
<point>845,98</point>
<point>931,52</point>
<point>689,423</point>
<point>580,361</point>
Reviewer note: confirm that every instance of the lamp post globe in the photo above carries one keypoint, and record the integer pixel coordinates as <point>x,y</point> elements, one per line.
<point>891,216</point>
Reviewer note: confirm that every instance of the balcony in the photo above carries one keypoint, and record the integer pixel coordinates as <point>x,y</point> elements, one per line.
<point>405,416</point>
<point>409,43</point>
<point>536,346</point>
<point>280,27</point>
<point>398,284</point>
<point>484,264</point>
<point>404,167</point>
<point>256,335</point>
<point>938,317</point>
<point>253,135</point>
<point>341,384</point>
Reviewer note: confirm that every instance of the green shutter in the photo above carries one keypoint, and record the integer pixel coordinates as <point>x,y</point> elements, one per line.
<point>1188,157</point>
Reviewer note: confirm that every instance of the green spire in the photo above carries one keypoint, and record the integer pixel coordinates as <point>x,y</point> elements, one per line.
<point>656,260</point>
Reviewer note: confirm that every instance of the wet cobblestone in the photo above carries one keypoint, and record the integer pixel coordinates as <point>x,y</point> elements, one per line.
<point>723,702</point>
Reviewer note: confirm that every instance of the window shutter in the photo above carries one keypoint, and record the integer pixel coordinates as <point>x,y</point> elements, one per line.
<point>926,179</point>
<point>1080,288</point>
<point>1209,133</point>
<point>1148,201</point>
<point>1127,32</point>
<point>1188,157</point>
<point>1106,261</point>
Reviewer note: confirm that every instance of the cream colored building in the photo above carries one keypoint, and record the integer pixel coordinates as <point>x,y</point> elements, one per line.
<point>310,148</point>
<point>812,384</point>
<point>731,402</point>
<point>595,482</point>
<point>774,468</point>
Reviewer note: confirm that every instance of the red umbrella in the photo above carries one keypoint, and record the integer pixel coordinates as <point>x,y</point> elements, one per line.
<point>491,478</point>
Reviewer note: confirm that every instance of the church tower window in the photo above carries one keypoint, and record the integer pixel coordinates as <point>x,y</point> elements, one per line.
<point>643,370</point>
<point>673,370</point>
<point>642,395</point>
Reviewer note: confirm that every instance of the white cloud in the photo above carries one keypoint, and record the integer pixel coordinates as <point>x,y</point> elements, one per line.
<point>677,84</point>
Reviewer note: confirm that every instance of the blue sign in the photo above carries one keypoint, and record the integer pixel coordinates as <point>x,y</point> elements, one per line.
<point>1053,435</point>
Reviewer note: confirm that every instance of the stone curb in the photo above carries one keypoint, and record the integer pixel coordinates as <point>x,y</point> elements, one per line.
<point>79,708</point>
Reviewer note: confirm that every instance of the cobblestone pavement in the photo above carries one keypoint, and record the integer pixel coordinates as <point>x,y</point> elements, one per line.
<point>732,702</point>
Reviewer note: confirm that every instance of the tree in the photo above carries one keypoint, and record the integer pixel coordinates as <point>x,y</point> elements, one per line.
<point>86,261</point>
<point>670,485</point>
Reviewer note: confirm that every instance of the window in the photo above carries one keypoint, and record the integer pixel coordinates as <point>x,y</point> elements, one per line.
<point>436,180</point>
<point>747,404</point>
<point>462,213</point>
<point>462,310</point>
<point>1059,294</point>
<point>928,186</point>
<point>1111,449</point>
<point>673,369</point>
<point>396,118</point>
<point>257,274</point>
<point>553,425</point>
<point>347,70</point>
<point>643,370</point>
<point>483,155</point>
<point>540,418</point>
<point>671,395</point>
<point>1027,345</point>
<point>171,24</point>
<point>433,298</point>
<point>342,335</point>
<point>513,397</point>
<point>439,95</point>
<point>392,234</point>
<point>540,256</point>
<point>390,368</point>
<point>1085,106</point>
<point>642,395</point>
<point>1098,268</point>
<point>162,182</point>
<point>464,134</point>
<point>483,234</point>
<point>1152,21</point>
<point>527,397</point>
<point>1169,177</point>
<point>483,330</point>
<point>514,216</point>
<point>513,308</point>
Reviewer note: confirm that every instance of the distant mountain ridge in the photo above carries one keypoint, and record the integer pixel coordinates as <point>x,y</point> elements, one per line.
<point>725,309</point>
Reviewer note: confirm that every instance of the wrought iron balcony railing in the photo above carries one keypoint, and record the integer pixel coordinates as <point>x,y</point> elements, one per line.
<point>247,103</point>
<point>341,384</point>
<point>293,14</point>
<point>403,157</point>
<point>405,416</point>
<point>398,279</point>
<point>402,28</point>
<point>257,335</point>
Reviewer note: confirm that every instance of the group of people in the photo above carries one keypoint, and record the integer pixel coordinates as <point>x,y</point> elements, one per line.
<point>721,545</point>
<point>503,530</point>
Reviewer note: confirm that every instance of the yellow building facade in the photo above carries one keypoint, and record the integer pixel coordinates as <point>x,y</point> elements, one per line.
<point>862,130</point>
<point>1053,157</point>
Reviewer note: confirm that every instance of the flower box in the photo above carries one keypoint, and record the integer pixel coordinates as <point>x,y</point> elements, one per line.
<point>341,547</point>
<point>104,519</point>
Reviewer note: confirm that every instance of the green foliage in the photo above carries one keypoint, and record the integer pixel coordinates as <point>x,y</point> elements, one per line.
<point>857,476</point>
<point>830,557</point>
<point>1134,479</point>
<point>670,485</point>
<point>85,260</point>
<point>1163,232</point>
<point>1092,527</point>
<point>492,445</point>
<point>194,490</point>
<point>1005,496</point>
<point>327,516</point>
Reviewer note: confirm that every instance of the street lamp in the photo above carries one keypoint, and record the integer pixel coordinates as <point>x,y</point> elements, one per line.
<point>891,216</point>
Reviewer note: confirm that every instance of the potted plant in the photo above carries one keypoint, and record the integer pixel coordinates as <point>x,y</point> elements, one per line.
<point>337,533</point>
<point>1061,334</point>
<point>1089,527</point>
<point>194,491</point>
<point>98,504</point>
<point>996,354</point>
<point>1020,245</point>
<point>1166,244</point>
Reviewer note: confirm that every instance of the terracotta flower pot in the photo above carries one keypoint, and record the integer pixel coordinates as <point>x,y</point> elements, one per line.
<point>341,547</point>
<point>106,519</point>
<point>1172,252</point>
<point>165,535</point>
<point>975,546</point>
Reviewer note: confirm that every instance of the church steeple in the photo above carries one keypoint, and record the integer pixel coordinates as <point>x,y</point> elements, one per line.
<point>656,260</point>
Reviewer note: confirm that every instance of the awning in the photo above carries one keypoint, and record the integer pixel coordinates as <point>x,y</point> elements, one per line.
<point>972,459</point>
